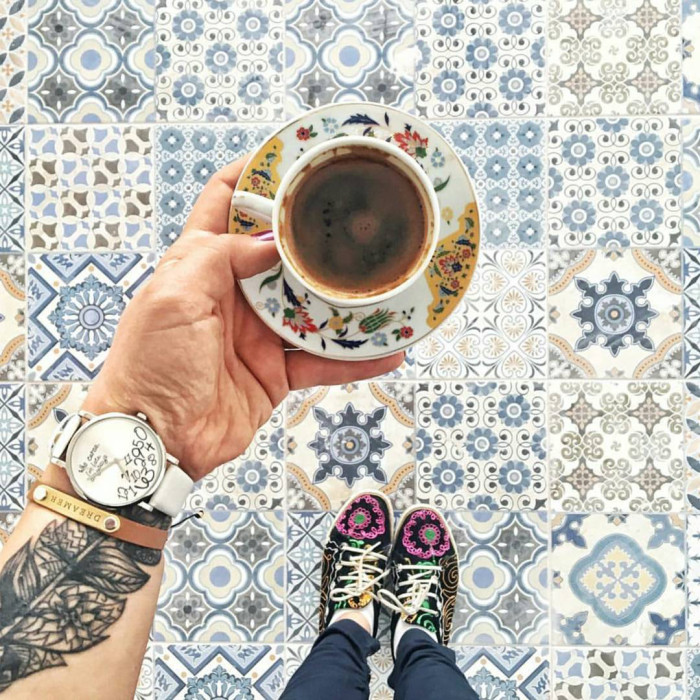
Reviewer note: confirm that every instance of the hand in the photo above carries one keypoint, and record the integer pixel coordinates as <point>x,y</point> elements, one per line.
<point>193,356</point>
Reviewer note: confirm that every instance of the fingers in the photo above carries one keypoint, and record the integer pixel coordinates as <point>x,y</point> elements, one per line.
<point>210,211</point>
<point>304,369</point>
<point>249,255</point>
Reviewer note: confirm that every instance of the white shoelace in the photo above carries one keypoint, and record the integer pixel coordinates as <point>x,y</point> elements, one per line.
<point>366,567</point>
<point>413,590</point>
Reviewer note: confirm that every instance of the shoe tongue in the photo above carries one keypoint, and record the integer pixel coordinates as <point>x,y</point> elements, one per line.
<point>358,601</point>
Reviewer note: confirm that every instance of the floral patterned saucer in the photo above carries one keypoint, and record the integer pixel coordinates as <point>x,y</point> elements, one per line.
<point>310,323</point>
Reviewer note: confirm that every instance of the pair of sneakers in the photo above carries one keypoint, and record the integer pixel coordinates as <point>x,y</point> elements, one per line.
<point>363,562</point>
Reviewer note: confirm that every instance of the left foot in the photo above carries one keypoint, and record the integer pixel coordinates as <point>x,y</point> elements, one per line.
<point>355,558</point>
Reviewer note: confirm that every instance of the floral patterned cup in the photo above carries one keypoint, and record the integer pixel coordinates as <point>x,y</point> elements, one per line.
<point>278,209</point>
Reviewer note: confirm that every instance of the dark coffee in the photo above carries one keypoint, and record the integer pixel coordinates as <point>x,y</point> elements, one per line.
<point>358,226</point>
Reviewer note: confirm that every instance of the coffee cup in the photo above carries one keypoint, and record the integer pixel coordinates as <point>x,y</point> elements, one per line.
<point>280,213</point>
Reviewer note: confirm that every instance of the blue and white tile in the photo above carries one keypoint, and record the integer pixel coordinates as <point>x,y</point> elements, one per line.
<point>691,312</point>
<point>480,59</point>
<point>90,188</point>
<point>11,189</point>
<point>341,440</point>
<point>693,673</point>
<point>224,579</point>
<point>505,159</point>
<point>615,182</point>
<point>12,447</point>
<point>74,302</point>
<point>341,52</point>
<point>47,405</point>
<point>481,446</point>
<point>306,537</point>
<point>503,578</point>
<point>618,673</point>
<point>517,673</point>
<point>12,317</point>
<point>691,55</point>
<point>691,449</point>
<point>186,157</point>
<point>253,481</point>
<point>694,580</point>
<point>614,447</point>
<point>615,313</point>
<point>499,329</point>
<point>219,61</point>
<point>691,181</point>
<point>91,62</point>
<point>635,67</point>
<point>241,671</point>
<point>13,62</point>
<point>618,580</point>
<point>144,687</point>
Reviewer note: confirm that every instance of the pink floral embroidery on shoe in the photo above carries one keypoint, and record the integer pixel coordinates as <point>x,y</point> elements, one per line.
<point>363,519</point>
<point>424,535</point>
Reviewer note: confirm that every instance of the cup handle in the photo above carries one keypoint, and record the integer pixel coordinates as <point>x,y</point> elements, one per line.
<point>260,207</point>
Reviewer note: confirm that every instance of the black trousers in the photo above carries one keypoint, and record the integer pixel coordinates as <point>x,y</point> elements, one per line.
<point>336,668</point>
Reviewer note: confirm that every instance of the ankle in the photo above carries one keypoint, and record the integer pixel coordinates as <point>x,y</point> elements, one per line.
<point>356,616</point>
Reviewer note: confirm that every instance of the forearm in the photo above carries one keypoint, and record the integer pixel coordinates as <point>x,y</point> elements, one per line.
<point>76,607</point>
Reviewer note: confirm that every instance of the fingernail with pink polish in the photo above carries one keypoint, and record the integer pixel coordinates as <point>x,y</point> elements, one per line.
<point>264,235</point>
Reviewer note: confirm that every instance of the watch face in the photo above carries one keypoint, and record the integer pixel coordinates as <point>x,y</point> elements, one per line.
<point>115,460</point>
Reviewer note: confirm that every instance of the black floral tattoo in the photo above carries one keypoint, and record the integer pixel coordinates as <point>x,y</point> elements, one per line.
<point>60,593</point>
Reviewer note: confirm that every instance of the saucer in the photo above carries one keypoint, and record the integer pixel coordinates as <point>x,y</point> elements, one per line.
<point>306,321</point>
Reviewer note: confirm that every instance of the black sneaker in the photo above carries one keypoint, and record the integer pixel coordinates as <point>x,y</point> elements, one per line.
<point>356,556</point>
<point>425,570</point>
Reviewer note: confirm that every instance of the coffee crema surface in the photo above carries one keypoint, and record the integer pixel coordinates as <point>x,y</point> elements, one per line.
<point>357,226</point>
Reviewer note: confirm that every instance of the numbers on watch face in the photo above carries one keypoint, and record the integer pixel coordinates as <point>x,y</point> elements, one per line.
<point>116,460</point>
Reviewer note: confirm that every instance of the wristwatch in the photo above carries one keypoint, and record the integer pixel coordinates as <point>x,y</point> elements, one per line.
<point>116,459</point>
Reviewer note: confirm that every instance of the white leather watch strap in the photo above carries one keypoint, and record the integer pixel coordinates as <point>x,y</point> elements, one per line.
<point>172,492</point>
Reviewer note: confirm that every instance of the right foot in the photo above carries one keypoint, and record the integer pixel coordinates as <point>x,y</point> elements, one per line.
<point>425,570</point>
<point>355,558</point>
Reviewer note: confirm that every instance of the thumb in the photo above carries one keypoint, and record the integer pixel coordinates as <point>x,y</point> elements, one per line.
<point>249,255</point>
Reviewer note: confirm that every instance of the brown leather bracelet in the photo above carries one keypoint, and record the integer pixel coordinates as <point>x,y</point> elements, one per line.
<point>70,505</point>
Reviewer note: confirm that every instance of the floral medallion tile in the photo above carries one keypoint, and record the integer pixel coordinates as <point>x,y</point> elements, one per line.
<point>219,61</point>
<point>306,537</point>
<point>691,181</point>
<point>223,579</point>
<point>91,62</point>
<point>693,673</point>
<point>481,445</point>
<point>506,162</point>
<point>12,447</point>
<point>13,61</point>
<point>47,406</point>
<point>12,302</point>
<point>341,440</point>
<point>499,328</point>
<point>503,578</point>
<point>186,157</point>
<point>614,446</point>
<point>608,58</point>
<point>74,303</point>
<point>348,51</point>
<point>520,673</point>
<point>618,673</point>
<point>614,182</point>
<point>11,188</point>
<point>618,579</point>
<point>615,313</point>
<point>691,56</point>
<point>90,188</point>
<point>480,59</point>
<point>234,671</point>
<point>691,312</point>
<point>252,481</point>
<point>694,580</point>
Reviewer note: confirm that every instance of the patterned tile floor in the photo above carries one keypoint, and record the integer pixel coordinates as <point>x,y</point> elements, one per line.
<point>555,417</point>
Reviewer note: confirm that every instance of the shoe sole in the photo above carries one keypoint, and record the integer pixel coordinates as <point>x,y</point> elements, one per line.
<point>413,509</point>
<point>376,494</point>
